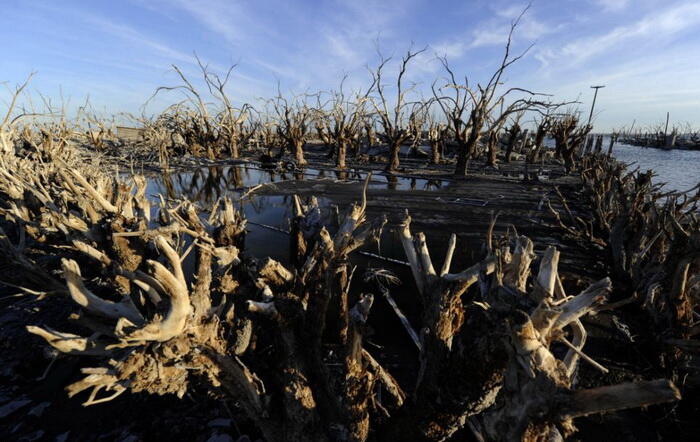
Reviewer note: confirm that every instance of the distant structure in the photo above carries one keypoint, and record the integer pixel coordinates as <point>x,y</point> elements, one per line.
<point>595,95</point>
<point>129,133</point>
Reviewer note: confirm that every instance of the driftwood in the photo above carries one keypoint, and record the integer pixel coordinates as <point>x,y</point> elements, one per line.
<point>523,379</point>
<point>263,333</point>
<point>569,138</point>
<point>653,242</point>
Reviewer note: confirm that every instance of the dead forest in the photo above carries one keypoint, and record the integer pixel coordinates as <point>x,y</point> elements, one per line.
<point>159,295</point>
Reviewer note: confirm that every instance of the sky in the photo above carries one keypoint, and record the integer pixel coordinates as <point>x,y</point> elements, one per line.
<point>646,52</point>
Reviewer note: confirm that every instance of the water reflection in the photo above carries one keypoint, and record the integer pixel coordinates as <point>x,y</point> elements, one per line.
<point>268,219</point>
<point>207,184</point>
<point>392,182</point>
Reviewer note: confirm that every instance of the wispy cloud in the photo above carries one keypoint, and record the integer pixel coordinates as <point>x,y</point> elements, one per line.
<point>219,17</point>
<point>658,24</point>
<point>120,50</point>
<point>494,32</point>
<point>612,5</point>
<point>125,32</point>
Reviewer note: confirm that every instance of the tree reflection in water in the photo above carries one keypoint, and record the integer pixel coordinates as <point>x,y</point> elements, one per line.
<point>208,184</point>
<point>392,182</point>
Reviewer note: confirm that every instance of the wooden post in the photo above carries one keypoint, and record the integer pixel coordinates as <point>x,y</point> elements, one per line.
<point>595,95</point>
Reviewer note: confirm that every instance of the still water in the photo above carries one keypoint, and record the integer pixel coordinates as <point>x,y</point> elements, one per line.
<point>268,217</point>
<point>679,169</point>
<point>207,184</point>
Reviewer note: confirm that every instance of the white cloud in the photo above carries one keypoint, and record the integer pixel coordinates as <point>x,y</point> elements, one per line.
<point>494,32</point>
<point>612,5</point>
<point>658,24</point>
<point>450,50</point>
<point>635,88</point>
<point>214,15</point>
<point>125,32</point>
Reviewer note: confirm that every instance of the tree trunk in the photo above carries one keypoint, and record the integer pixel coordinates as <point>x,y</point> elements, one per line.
<point>613,140</point>
<point>463,155</point>
<point>512,139</point>
<point>371,136</point>
<point>539,140</point>
<point>567,154</point>
<point>462,161</point>
<point>233,148</point>
<point>341,153</point>
<point>493,150</point>
<point>299,152</point>
<point>435,152</point>
<point>394,149</point>
<point>357,148</point>
<point>283,147</point>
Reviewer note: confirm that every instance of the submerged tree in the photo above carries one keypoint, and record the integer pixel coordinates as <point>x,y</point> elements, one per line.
<point>394,118</point>
<point>216,128</point>
<point>293,120</point>
<point>288,344</point>
<point>569,138</point>
<point>232,121</point>
<point>543,126</point>
<point>345,118</point>
<point>471,112</point>
<point>514,135</point>
<point>437,138</point>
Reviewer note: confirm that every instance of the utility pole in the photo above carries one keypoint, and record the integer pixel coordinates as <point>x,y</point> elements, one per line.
<point>595,95</point>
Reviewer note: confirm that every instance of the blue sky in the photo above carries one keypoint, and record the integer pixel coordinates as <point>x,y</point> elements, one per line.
<point>647,52</point>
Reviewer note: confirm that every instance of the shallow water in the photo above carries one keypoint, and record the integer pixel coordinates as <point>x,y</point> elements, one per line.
<point>205,185</point>
<point>679,169</point>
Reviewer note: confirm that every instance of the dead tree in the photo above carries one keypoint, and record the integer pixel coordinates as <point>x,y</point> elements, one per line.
<point>170,330</point>
<point>346,117</point>
<point>323,131</point>
<point>493,143</point>
<point>613,139</point>
<point>200,130</point>
<point>514,134</point>
<point>393,118</point>
<point>469,112</point>
<point>416,124</point>
<point>654,243</point>
<point>267,133</point>
<point>437,137</point>
<point>368,123</point>
<point>217,129</point>
<point>293,120</point>
<point>569,138</point>
<point>259,332</point>
<point>514,380</point>
<point>543,127</point>
<point>230,120</point>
